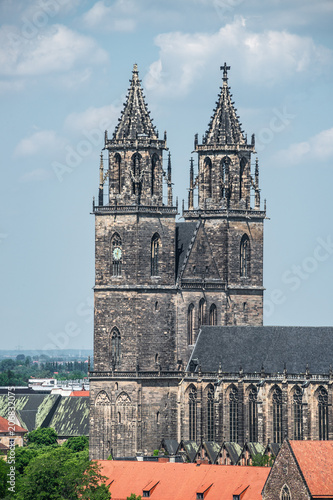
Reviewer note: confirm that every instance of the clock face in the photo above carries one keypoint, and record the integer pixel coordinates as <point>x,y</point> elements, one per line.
<point>117,253</point>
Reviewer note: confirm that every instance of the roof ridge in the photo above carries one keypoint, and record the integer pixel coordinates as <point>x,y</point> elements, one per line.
<point>189,249</point>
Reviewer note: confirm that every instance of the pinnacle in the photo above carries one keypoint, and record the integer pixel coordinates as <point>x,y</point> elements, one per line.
<point>135,120</point>
<point>224,127</point>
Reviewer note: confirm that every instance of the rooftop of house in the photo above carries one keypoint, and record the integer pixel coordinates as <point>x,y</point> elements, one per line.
<point>183,481</point>
<point>7,427</point>
<point>315,459</point>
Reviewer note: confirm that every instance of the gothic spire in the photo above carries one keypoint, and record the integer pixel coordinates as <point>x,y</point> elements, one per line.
<point>135,119</point>
<point>224,127</point>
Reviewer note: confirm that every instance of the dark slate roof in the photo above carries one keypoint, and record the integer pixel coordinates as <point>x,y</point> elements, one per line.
<point>32,410</point>
<point>170,446</point>
<point>254,449</point>
<point>191,448</point>
<point>233,450</point>
<point>273,448</point>
<point>185,236</point>
<point>135,119</point>
<point>224,127</point>
<point>212,449</point>
<point>71,417</point>
<point>270,347</point>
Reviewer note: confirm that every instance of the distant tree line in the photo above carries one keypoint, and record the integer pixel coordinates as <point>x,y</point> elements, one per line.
<point>18,371</point>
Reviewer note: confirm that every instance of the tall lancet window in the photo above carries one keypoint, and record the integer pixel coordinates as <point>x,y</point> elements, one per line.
<point>233,414</point>
<point>155,249</point>
<point>117,172</point>
<point>115,347</point>
<point>277,415</point>
<point>208,177</point>
<point>242,178</point>
<point>245,256</point>
<point>136,173</point>
<point>253,415</point>
<point>210,413</point>
<point>323,413</point>
<point>190,324</point>
<point>154,162</point>
<point>298,413</point>
<point>192,408</point>
<point>202,312</point>
<point>213,315</point>
<point>117,255</point>
<point>224,177</point>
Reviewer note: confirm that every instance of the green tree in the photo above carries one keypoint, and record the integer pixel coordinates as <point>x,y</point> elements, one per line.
<point>61,474</point>
<point>261,460</point>
<point>4,470</point>
<point>134,497</point>
<point>43,437</point>
<point>77,443</point>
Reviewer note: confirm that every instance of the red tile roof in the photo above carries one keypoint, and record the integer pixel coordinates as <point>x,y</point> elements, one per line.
<point>80,393</point>
<point>315,459</point>
<point>178,481</point>
<point>6,427</point>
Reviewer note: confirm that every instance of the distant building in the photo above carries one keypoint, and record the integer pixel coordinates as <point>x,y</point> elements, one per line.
<point>11,434</point>
<point>180,350</point>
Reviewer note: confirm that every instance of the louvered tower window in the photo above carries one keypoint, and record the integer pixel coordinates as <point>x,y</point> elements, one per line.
<point>155,248</point>
<point>190,324</point>
<point>245,256</point>
<point>115,347</point>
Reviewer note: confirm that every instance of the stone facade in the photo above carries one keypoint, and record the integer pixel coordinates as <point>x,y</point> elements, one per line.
<point>159,281</point>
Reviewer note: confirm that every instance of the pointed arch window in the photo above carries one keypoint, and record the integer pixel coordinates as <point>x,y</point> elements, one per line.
<point>208,177</point>
<point>115,347</point>
<point>210,414</point>
<point>117,256</point>
<point>155,248</point>
<point>277,415</point>
<point>285,493</point>
<point>190,324</point>
<point>192,407</point>
<point>323,413</point>
<point>245,256</point>
<point>298,413</point>
<point>253,415</point>
<point>213,315</point>
<point>117,169</point>
<point>202,312</point>
<point>233,414</point>
<point>224,177</point>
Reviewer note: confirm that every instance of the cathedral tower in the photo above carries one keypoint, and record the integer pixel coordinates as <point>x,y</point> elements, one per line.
<point>231,222</point>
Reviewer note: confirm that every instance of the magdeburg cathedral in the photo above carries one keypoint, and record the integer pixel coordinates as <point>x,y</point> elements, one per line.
<point>180,350</point>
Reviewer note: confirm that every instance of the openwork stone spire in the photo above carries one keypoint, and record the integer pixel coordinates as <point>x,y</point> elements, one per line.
<point>224,127</point>
<point>135,120</point>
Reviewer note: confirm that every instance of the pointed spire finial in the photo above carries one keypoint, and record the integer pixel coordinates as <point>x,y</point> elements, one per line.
<point>135,68</point>
<point>225,69</point>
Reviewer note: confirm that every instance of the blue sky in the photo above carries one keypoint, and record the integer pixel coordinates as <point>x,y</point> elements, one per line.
<point>64,71</point>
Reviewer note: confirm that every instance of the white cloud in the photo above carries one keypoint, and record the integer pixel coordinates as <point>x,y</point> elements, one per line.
<point>57,49</point>
<point>262,58</point>
<point>120,16</point>
<point>318,148</point>
<point>103,118</point>
<point>39,141</point>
